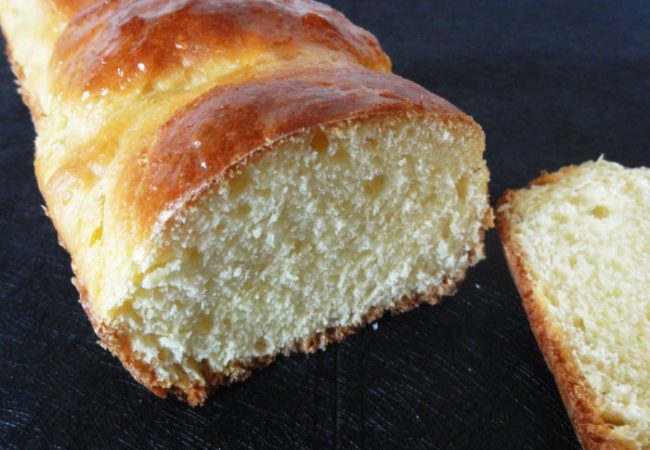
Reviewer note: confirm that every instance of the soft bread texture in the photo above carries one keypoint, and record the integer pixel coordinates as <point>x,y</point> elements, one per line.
<point>234,179</point>
<point>577,242</point>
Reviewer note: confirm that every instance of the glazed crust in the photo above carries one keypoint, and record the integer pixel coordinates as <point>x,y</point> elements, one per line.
<point>71,7</point>
<point>579,399</point>
<point>123,45</point>
<point>227,125</point>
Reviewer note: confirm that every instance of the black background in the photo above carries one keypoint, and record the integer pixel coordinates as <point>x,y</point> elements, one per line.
<point>552,83</point>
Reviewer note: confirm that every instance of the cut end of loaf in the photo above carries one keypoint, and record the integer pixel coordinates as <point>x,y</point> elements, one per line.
<point>301,245</point>
<point>578,242</point>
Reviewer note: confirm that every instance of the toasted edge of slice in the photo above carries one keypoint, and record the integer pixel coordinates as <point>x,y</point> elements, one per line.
<point>578,397</point>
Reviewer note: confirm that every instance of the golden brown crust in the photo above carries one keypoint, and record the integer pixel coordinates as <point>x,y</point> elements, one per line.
<point>229,124</point>
<point>129,44</point>
<point>580,401</point>
<point>71,7</point>
<point>195,393</point>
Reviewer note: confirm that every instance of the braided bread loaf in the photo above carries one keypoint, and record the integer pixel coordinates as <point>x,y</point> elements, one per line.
<point>234,179</point>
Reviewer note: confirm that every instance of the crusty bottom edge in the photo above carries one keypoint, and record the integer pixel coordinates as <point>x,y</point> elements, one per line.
<point>578,398</point>
<point>195,393</point>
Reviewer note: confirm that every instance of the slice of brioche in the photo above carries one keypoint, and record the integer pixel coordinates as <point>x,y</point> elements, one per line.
<point>578,245</point>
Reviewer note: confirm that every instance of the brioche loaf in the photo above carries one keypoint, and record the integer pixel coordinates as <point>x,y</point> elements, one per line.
<point>235,179</point>
<point>577,242</point>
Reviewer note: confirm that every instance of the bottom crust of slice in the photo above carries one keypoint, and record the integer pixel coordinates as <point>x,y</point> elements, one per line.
<point>195,393</point>
<point>579,399</point>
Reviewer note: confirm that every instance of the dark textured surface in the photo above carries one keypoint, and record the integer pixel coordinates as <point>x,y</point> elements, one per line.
<point>552,83</point>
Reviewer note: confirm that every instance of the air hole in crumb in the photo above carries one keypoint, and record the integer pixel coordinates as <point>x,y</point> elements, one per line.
<point>243,210</point>
<point>96,236</point>
<point>165,354</point>
<point>266,193</point>
<point>430,199</point>
<point>446,229</point>
<point>373,187</point>
<point>203,323</point>
<point>283,218</point>
<point>192,256</point>
<point>260,345</point>
<point>320,142</point>
<point>409,162</point>
<point>248,286</point>
<point>410,133</point>
<point>600,212</point>
<point>297,246</point>
<point>341,156</point>
<point>553,300</point>
<point>570,238</point>
<point>579,323</point>
<point>462,187</point>
<point>560,218</point>
<point>219,229</point>
<point>226,324</point>
<point>299,309</point>
<point>238,183</point>
<point>372,143</point>
<point>614,419</point>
